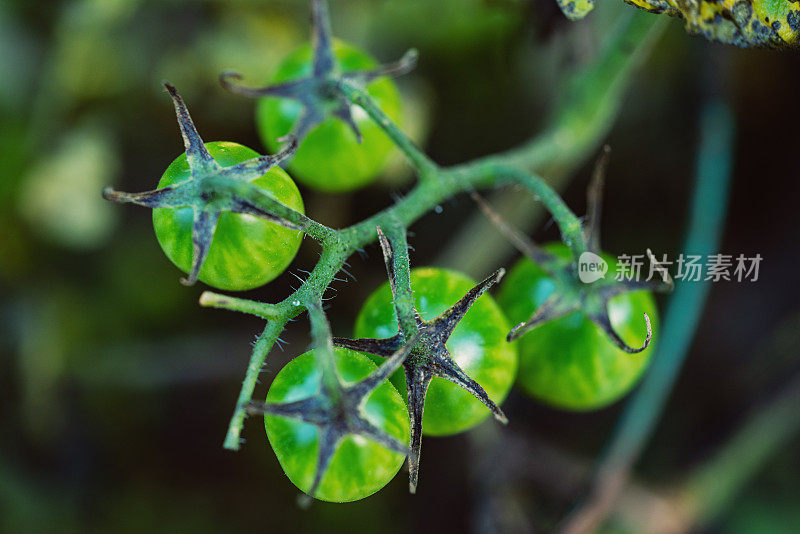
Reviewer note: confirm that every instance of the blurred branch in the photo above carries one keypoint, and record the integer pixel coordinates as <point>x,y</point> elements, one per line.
<point>505,459</point>
<point>710,489</point>
<point>26,504</point>
<point>682,318</point>
<point>713,486</point>
<point>592,99</point>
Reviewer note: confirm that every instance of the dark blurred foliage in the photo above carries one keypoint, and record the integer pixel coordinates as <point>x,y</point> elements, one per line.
<point>116,388</point>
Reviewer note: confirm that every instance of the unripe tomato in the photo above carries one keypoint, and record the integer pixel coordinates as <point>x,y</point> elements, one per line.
<point>478,345</point>
<point>359,466</point>
<point>246,251</point>
<point>569,362</point>
<point>330,158</point>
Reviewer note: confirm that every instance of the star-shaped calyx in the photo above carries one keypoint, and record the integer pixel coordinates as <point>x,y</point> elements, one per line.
<point>317,92</point>
<point>571,294</point>
<point>338,408</point>
<point>429,356</point>
<point>212,189</point>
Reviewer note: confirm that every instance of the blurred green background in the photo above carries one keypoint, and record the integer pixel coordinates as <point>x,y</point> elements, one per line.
<point>116,387</point>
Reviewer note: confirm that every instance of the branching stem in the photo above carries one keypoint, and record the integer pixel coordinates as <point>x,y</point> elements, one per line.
<point>436,185</point>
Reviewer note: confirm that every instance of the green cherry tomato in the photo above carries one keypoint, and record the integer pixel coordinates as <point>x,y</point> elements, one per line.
<point>246,251</point>
<point>570,362</point>
<point>478,345</point>
<point>359,467</point>
<point>330,158</point>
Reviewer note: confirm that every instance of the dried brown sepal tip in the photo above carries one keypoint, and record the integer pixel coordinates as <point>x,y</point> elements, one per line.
<point>317,91</point>
<point>429,355</point>
<point>195,192</point>
<point>594,201</point>
<point>325,412</point>
<point>571,294</point>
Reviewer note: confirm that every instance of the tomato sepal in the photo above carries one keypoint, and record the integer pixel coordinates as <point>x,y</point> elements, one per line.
<point>319,93</point>
<point>212,189</point>
<point>337,408</point>
<point>429,357</point>
<point>571,292</point>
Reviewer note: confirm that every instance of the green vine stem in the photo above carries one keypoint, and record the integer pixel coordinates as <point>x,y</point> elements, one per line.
<point>323,349</point>
<point>592,99</point>
<point>436,184</point>
<point>682,317</point>
<point>338,245</point>
<point>425,167</point>
<point>394,241</point>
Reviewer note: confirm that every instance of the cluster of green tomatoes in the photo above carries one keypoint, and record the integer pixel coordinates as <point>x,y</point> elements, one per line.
<point>229,243</point>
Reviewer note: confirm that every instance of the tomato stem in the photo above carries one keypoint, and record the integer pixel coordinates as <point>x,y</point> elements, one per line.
<point>423,165</point>
<point>209,299</point>
<point>594,98</point>
<point>262,347</point>
<point>398,269</point>
<point>323,349</point>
